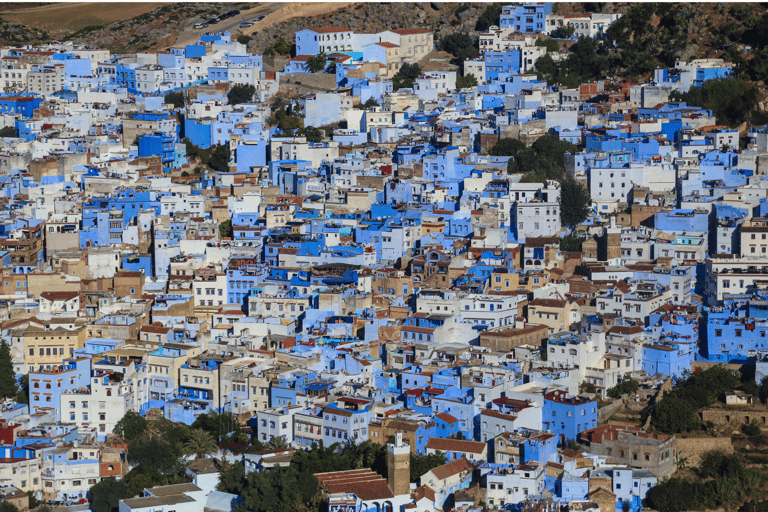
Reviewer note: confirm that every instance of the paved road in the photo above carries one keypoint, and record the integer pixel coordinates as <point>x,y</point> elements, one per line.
<point>231,25</point>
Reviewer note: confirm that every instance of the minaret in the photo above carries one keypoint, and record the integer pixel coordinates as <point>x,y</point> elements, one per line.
<point>399,466</point>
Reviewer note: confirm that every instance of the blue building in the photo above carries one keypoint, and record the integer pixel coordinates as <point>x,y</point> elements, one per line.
<point>500,64</point>
<point>566,415</point>
<point>528,17</point>
<point>159,144</point>
<point>19,105</point>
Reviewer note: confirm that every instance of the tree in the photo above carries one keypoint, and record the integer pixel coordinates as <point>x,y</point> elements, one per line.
<point>404,78</point>
<point>465,81</point>
<point>131,426</point>
<point>219,160</point>
<point>8,386</point>
<point>370,102</point>
<point>764,389</point>
<point>8,131</point>
<point>154,453</point>
<point>507,147</point>
<point>460,45</point>
<point>200,444</point>
<point>279,443</point>
<point>232,478</point>
<point>674,415</point>
<point>243,39</point>
<point>22,397</point>
<point>574,203</point>
<point>731,100</point>
<point>550,44</point>
<point>421,464</point>
<point>175,98</point>
<point>625,387</point>
<point>572,243</point>
<point>279,47</point>
<point>225,229</point>
<point>489,17</point>
<point>563,32</point>
<point>105,496</point>
<point>312,134</point>
<point>7,506</point>
<point>316,63</point>
<point>241,93</point>
<point>220,425</point>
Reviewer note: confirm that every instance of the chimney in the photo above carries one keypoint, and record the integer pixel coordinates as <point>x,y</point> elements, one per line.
<point>398,466</point>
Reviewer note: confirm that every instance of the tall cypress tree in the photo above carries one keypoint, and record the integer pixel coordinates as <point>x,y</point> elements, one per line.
<point>8,386</point>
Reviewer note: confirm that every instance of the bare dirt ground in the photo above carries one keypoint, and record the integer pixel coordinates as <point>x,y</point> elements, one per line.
<point>75,16</point>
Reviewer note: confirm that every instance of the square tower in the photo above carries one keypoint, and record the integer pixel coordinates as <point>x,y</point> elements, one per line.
<point>399,466</point>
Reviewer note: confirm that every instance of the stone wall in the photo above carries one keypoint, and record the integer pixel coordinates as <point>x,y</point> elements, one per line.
<point>691,449</point>
<point>608,410</point>
<point>736,416</point>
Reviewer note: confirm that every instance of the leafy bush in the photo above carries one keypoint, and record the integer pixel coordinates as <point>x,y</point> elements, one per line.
<point>627,386</point>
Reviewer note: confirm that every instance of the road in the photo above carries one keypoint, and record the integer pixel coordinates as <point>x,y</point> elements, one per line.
<point>275,13</point>
<point>231,25</point>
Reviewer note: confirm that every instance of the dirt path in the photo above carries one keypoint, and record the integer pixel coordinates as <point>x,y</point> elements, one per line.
<point>79,15</point>
<point>278,13</point>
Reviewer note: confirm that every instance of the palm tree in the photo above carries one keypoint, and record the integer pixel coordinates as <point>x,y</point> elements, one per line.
<point>279,443</point>
<point>200,444</point>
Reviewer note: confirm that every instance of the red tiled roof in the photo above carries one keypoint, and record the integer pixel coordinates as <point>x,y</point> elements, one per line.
<point>446,417</point>
<point>452,468</point>
<point>329,30</point>
<point>53,296</point>
<point>409,31</point>
<point>456,445</point>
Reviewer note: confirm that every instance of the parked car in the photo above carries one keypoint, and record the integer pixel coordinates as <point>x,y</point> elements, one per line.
<point>246,24</point>
<point>200,25</point>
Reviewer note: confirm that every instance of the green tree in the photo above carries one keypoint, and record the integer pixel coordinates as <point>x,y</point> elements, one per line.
<point>8,131</point>
<point>421,464</point>
<point>232,478</point>
<point>572,243</point>
<point>175,98</point>
<point>200,444</point>
<point>674,415</point>
<point>404,78</point>
<point>751,429</point>
<point>131,426</point>
<point>219,159</point>
<point>241,93</point>
<point>550,44</point>
<point>625,387</point>
<point>154,453</point>
<point>316,63</point>
<point>460,45</point>
<point>105,496</point>
<point>465,81</point>
<point>279,443</point>
<point>7,506</point>
<point>220,425</point>
<point>731,100</point>
<point>489,17</point>
<point>243,39</point>
<point>574,203</point>
<point>22,397</point>
<point>225,229</point>
<point>312,134</point>
<point>8,386</point>
<point>370,102</point>
<point>764,389</point>
<point>279,47</point>
<point>507,147</point>
<point>563,32</point>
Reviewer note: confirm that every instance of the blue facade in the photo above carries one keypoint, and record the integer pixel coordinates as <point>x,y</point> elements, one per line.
<point>499,64</point>
<point>528,17</point>
<point>568,416</point>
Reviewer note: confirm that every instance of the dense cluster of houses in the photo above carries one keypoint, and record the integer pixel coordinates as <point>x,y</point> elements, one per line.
<point>391,283</point>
